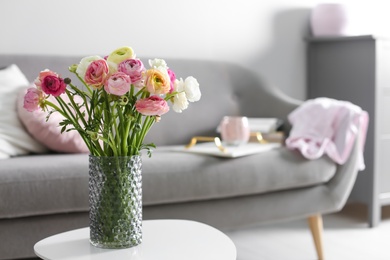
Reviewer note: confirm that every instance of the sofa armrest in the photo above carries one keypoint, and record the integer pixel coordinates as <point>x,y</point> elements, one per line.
<point>342,183</point>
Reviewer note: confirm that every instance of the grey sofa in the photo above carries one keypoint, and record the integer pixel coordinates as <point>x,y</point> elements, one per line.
<point>44,194</point>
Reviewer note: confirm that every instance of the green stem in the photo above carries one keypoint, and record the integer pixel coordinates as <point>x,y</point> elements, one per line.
<point>83,95</point>
<point>76,108</point>
<point>147,124</point>
<point>85,84</point>
<point>107,123</point>
<point>59,110</point>
<point>112,144</point>
<point>133,139</point>
<point>125,136</point>
<point>67,113</point>
<point>122,132</point>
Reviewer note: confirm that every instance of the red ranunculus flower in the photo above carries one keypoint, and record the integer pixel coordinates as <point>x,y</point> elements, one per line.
<point>53,85</point>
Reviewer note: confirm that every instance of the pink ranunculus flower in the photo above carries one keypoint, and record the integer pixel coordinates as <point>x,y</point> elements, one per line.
<point>96,73</point>
<point>33,99</point>
<point>157,82</point>
<point>152,106</point>
<point>118,84</point>
<point>172,77</point>
<point>135,69</point>
<point>84,63</point>
<point>50,83</point>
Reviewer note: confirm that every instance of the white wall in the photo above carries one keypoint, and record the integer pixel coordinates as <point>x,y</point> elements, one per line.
<point>266,36</point>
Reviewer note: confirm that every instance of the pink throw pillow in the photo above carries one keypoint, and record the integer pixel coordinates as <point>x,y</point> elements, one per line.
<point>49,132</point>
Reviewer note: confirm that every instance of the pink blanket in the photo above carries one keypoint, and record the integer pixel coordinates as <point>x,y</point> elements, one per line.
<point>327,126</point>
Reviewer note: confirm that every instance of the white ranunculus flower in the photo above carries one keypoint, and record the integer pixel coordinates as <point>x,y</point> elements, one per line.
<point>84,63</point>
<point>113,67</point>
<point>158,64</point>
<point>180,101</point>
<point>161,65</point>
<point>192,90</point>
<point>178,85</point>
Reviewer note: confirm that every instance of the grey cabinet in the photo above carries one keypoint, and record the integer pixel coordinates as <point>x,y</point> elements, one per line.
<point>357,69</point>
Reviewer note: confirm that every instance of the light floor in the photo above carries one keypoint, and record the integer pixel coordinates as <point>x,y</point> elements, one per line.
<point>346,237</point>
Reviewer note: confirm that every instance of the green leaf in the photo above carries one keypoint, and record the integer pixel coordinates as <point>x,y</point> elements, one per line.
<point>148,148</point>
<point>137,127</point>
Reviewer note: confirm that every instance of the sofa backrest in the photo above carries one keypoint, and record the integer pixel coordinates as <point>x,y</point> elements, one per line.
<point>227,89</point>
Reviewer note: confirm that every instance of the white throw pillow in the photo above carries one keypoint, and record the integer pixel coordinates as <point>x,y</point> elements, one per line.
<point>14,139</point>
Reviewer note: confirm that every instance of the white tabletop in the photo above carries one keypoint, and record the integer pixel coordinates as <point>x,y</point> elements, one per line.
<point>162,239</point>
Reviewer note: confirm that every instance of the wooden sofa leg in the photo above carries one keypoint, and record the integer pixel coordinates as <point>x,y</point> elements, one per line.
<point>316,227</point>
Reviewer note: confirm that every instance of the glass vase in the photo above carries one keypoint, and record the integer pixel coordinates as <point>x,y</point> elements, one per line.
<point>115,198</point>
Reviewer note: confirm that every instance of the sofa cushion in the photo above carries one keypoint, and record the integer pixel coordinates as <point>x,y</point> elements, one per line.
<point>43,184</point>
<point>48,132</point>
<point>171,177</point>
<point>49,184</point>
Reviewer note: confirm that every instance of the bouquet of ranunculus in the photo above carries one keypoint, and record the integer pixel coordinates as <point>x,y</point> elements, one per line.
<point>118,103</point>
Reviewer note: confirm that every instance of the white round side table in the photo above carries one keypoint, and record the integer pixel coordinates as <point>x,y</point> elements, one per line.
<point>162,239</point>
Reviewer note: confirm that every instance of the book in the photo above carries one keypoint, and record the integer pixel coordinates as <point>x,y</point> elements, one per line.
<point>264,125</point>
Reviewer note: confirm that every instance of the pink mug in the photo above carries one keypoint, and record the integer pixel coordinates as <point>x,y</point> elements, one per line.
<point>235,130</point>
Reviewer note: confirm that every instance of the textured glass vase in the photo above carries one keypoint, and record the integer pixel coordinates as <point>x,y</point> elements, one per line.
<point>115,199</point>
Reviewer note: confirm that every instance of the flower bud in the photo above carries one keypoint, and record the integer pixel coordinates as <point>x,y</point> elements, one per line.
<point>137,127</point>
<point>130,116</point>
<point>67,81</point>
<point>73,68</point>
<point>94,136</point>
<point>123,100</point>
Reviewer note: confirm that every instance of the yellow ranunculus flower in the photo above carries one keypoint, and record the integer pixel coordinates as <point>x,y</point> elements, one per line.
<point>121,54</point>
